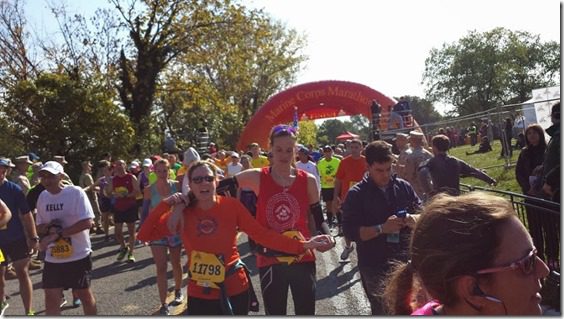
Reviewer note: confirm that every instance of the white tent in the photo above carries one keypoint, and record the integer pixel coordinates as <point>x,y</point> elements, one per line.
<point>537,110</point>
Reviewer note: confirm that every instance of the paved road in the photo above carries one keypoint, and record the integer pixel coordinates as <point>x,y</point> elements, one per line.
<point>123,288</point>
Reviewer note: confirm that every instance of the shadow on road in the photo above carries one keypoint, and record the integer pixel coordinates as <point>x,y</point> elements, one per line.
<point>343,281</point>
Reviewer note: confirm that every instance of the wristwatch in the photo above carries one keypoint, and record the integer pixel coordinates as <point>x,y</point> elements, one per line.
<point>35,238</point>
<point>379,230</point>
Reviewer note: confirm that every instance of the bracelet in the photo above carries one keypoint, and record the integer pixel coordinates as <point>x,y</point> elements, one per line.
<point>378,229</point>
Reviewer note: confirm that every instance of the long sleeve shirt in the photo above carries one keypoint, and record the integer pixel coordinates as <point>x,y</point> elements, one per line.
<point>446,170</point>
<point>215,231</point>
<point>367,205</point>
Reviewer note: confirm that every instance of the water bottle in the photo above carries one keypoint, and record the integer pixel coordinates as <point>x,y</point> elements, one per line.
<point>394,238</point>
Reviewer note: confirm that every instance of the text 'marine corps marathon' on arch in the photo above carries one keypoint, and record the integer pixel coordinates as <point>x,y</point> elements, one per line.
<point>314,100</point>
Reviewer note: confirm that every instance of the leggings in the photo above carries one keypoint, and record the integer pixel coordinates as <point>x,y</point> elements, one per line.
<point>200,307</point>
<point>275,280</point>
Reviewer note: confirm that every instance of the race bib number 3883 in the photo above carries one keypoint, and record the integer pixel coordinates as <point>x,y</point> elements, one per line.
<point>62,248</point>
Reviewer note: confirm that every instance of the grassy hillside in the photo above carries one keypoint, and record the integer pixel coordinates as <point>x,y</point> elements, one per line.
<point>493,165</point>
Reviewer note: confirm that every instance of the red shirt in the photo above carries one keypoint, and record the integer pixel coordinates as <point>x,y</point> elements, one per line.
<point>215,231</point>
<point>350,172</point>
<point>123,204</point>
<point>282,210</point>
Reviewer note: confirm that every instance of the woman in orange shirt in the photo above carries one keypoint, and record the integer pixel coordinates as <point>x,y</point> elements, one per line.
<point>208,225</point>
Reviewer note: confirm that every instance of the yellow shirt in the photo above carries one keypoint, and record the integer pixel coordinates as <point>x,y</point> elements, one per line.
<point>260,162</point>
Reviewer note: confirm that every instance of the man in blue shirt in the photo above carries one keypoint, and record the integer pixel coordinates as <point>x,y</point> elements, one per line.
<point>15,243</point>
<point>377,215</point>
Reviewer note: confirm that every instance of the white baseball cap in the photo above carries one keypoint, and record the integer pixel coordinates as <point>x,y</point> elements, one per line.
<point>52,167</point>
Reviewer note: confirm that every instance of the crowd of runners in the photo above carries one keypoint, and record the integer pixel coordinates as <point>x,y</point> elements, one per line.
<point>434,250</point>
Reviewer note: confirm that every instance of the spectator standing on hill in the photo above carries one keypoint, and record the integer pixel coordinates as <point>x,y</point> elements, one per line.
<point>528,172</point>
<point>473,133</point>
<point>506,137</point>
<point>551,163</point>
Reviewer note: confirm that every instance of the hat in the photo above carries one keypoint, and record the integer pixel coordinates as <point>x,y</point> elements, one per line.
<point>60,159</point>
<point>191,155</point>
<point>34,157</point>
<point>147,162</point>
<point>133,164</point>
<point>416,134</point>
<point>22,159</point>
<point>304,150</point>
<point>327,148</point>
<point>53,167</point>
<point>401,135</point>
<point>235,154</point>
<point>6,162</point>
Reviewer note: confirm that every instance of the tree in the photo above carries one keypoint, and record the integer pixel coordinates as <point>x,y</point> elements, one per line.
<point>329,130</point>
<point>483,70</point>
<point>423,110</point>
<point>308,133</point>
<point>60,115</point>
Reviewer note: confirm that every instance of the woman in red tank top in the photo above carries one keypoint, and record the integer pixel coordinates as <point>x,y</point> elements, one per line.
<point>284,198</point>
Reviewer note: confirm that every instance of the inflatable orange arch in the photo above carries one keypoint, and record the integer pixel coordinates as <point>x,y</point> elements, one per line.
<point>314,100</point>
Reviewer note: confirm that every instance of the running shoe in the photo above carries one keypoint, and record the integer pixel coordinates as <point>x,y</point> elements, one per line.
<point>121,254</point>
<point>164,310</point>
<point>63,302</point>
<point>346,252</point>
<point>178,297</point>
<point>31,313</point>
<point>130,257</point>
<point>3,306</point>
<point>76,303</point>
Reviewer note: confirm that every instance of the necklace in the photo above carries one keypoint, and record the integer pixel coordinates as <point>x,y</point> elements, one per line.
<point>284,182</point>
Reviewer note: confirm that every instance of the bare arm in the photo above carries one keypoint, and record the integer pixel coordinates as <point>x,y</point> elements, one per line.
<point>250,179</point>
<point>5,214</point>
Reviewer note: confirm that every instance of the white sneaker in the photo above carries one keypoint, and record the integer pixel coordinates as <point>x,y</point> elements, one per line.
<point>346,252</point>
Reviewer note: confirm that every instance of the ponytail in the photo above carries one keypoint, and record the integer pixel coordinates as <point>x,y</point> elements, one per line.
<point>398,289</point>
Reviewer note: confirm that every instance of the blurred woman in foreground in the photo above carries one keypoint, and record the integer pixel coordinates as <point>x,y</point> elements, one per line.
<point>472,256</point>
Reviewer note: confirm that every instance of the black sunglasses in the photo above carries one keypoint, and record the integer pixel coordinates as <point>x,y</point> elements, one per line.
<point>200,179</point>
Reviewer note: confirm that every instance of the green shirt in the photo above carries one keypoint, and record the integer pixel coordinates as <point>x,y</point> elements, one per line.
<point>327,171</point>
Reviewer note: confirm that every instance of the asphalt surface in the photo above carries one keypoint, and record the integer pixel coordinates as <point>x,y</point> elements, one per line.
<point>123,288</point>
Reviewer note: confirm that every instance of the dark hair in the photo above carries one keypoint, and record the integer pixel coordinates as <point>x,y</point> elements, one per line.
<point>455,236</point>
<point>379,152</point>
<point>195,166</point>
<point>555,109</point>
<point>540,131</point>
<point>441,142</point>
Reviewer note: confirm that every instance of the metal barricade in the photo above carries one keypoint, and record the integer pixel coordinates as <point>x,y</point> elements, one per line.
<point>540,216</point>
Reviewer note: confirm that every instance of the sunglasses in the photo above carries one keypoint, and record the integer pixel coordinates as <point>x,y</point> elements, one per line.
<point>281,128</point>
<point>526,264</point>
<point>200,179</point>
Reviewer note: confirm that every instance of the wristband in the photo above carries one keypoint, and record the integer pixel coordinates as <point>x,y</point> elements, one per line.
<point>378,229</point>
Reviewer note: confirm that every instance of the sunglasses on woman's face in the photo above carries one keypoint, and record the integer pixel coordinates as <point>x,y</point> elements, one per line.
<point>283,128</point>
<point>200,179</point>
<point>526,264</point>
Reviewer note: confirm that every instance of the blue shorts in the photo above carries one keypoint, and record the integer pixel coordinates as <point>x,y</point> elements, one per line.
<point>168,241</point>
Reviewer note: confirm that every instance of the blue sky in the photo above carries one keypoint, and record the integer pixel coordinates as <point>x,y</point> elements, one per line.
<point>382,44</point>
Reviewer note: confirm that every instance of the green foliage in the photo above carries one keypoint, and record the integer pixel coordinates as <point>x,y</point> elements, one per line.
<point>60,114</point>
<point>482,70</point>
<point>493,165</point>
<point>423,110</point>
<point>308,133</point>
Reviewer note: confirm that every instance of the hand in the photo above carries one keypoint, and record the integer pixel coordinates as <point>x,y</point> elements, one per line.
<point>494,183</point>
<point>393,225</point>
<point>336,204</point>
<point>45,241</point>
<point>177,198</point>
<point>33,245</point>
<point>320,242</point>
<point>175,222</point>
<point>547,189</point>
